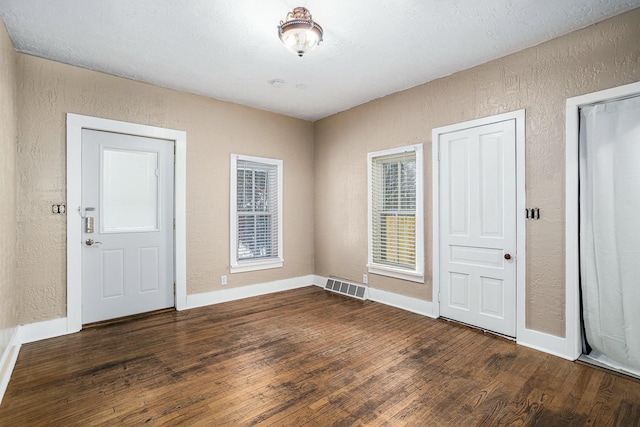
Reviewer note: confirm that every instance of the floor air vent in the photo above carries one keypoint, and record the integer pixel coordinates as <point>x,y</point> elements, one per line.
<point>346,288</point>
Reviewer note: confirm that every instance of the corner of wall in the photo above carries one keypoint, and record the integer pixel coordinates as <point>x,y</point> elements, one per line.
<point>8,193</point>
<point>8,360</point>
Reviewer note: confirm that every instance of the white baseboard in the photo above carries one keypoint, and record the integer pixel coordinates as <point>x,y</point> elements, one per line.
<point>547,343</point>
<point>8,360</point>
<point>403,302</point>
<point>43,330</point>
<point>232,294</point>
<point>414,305</point>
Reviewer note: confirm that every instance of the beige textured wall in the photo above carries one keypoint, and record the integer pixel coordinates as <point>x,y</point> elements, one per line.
<point>215,129</point>
<point>8,133</point>
<point>539,79</point>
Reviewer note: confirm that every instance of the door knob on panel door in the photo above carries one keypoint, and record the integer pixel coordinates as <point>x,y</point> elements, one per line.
<point>90,242</point>
<point>507,256</point>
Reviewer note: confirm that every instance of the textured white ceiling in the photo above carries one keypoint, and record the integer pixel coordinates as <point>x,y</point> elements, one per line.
<point>229,49</point>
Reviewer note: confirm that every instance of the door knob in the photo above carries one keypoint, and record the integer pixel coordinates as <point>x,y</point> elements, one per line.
<point>90,242</point>
<point>507,256</point>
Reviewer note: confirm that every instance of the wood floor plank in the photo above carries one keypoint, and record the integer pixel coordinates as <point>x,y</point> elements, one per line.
<point>304,357</point>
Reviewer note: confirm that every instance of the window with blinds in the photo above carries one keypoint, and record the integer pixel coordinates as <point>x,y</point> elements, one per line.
<point>395,213</point>
<point>256,213</point>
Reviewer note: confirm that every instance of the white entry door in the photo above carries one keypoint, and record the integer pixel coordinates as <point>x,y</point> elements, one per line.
<point>478,226</point>
<point>127,232</point>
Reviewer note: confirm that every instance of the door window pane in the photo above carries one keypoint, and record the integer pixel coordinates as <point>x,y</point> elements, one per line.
<point>129,191</point>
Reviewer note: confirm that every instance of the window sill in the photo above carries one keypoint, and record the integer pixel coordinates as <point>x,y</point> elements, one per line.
<point>254,266</point>
<point>397,273</point>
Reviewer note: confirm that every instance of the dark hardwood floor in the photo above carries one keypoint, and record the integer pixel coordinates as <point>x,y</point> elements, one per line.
<point>305,357</point>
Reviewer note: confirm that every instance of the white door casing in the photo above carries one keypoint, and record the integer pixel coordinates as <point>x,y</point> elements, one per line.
<point>127,194</point>
<point>75,124</point>
<point>476,223</point>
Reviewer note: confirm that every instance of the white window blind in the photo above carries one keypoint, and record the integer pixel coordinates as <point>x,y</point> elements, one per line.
<point>257,215</point>
<point>396,212</point>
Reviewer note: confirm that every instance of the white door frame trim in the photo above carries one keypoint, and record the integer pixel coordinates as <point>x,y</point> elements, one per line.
<point>572,181</point>
<point>75,124</point>
<point>519,117</point>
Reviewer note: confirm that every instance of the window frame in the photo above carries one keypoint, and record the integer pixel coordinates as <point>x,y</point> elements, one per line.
<point>240,266</point>
<point>416,274</point>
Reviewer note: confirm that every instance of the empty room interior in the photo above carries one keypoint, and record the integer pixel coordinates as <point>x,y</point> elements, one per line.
<point>320,213</point>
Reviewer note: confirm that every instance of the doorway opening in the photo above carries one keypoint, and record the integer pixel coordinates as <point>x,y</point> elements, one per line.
<point>603,150</point>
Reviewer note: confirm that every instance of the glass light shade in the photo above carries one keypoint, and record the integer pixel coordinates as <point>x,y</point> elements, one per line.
<point>299,33</point>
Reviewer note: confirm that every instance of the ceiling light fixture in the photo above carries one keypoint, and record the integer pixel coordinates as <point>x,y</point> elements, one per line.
<point>298,32</point>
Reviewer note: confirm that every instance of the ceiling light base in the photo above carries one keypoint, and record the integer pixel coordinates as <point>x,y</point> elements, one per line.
<point>299,33</point>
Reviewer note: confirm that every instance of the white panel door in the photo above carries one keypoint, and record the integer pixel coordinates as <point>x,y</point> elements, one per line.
<point>478,226</point>
<point>127,232</point>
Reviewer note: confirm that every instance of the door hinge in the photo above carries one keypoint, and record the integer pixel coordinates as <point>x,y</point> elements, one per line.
<point>174,154</point>
<point>174,223</point>
<point>174,287</point>
<point>438,296</point>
